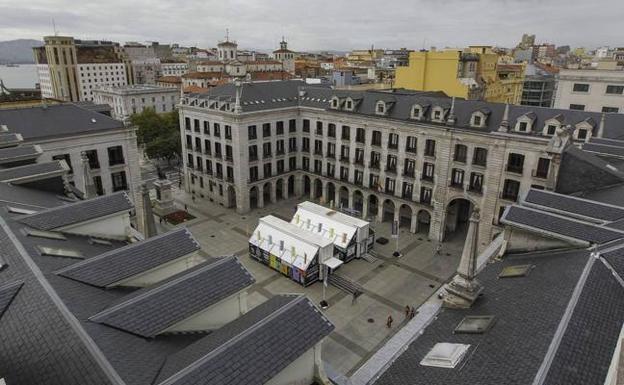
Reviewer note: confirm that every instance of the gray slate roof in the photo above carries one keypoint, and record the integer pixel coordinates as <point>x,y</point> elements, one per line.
<point>12,154</point>
<point>78,212</point>
<point>136,258</point>
<point>150,311</point>
<point>36,123</point>
<point>583,207</point>
<point>558,225</point>
<point>252,349</point>
<point>35,170</point>
<point>582,172</point>
<point>7,293</point>
<point>604,149</point>
<point>9,139</point>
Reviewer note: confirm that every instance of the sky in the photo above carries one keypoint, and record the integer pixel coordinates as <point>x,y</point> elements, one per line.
<point>321,24</point>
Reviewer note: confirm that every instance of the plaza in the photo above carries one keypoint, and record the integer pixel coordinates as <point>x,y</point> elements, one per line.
<point>388,283</point>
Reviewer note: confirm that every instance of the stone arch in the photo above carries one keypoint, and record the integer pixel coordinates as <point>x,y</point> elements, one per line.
<point>330,195</point>
<point>456,215</point>
<point>358,202</point>
<point>291,185</point>
<point>387,214</point>
<point>405,215</point>
<point>423,222</point>
<point>373,205</point>
<point>266,192</point>
<point>343,197</point>
<point>231,196</point>
<point>253,197</point>
<point>307,185</point>
<point>279,189</point>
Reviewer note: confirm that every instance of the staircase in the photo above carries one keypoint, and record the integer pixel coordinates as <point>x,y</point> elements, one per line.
<point>371,256</point>
<point>345,284</point>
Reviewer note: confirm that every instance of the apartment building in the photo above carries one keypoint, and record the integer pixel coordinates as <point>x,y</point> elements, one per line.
<point>128,100</point>
<point>417,158</point>
<point>70,69</point>
<point>600,90</point>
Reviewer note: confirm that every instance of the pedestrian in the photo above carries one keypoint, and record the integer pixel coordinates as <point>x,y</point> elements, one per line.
<point>160,220</point>
<point>185,207</point>
<point>407,311</point>
<point>354,298</point>
<point>438,248</point>
<point>389,322</point>
<point>412,313</point>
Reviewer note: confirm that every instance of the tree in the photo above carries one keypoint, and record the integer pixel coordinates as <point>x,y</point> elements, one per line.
<point>159,134</point>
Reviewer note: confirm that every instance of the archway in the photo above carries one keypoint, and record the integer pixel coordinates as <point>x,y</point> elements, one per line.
<point>343,197</point>
<point>373,204</point>
<point>307,185</point>
<point>231,196</point>
<point>423,219</point>
<point>318,189</point>
<point>291,185</point>
<point>279,189</point>
<point>266,192</point>
<point>253,197</point>
<point>405,216</point>
<point>331,194</point>
<point>358,201</point>
<point>456,220</point>
<point>387,211</point>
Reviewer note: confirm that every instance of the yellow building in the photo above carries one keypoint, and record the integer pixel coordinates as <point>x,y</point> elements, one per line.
<point>471,73</point>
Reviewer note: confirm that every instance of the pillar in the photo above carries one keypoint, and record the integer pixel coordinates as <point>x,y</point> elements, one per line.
<point>324,192</point>
<point>380,207</point>
<point>364,207</point>
<point>312,188</point>
<point>414,223</point>
<point>273,192</point>
<point>397,213</point>
<point>285,188</point>
<point>351,199</point>
<point>260,198</point>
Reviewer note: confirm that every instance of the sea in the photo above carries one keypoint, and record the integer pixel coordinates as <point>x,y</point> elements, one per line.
<point>22,76</point>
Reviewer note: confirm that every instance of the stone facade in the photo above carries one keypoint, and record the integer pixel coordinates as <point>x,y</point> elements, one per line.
<point>128,100</point>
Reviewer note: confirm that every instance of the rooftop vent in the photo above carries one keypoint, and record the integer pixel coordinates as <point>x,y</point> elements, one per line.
<point>59,252</point>
<point>515,271</point>
<point>98,241</point>
<point>44,234</point>
<point>445,355</point>
<point>93,120</point>
<point>19,210</point>
<point>475,324</point>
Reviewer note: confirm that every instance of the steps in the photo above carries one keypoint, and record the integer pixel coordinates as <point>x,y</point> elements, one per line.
<point>371,256</point>
<point>345,284</point>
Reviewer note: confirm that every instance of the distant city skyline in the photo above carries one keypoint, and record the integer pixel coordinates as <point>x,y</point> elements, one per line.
<point>326,25</point>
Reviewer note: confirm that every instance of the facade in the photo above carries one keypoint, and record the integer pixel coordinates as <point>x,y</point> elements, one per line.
<point>417,158</point>
<point>70,69</point>
<point>539,87</point>
<point>590,90</point>
<point>173,69</point>
<point>286,57</point>
<point>129,100</point>
<point>508,86</point>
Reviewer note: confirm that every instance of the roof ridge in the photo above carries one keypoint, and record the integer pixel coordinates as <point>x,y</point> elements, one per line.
<point>547,212</point>
<point>574,197</point>
<point>209,265</point>
<point>125,248</point>
<point>31,164</point>
<point>73,204</point>
<point>183,372</point>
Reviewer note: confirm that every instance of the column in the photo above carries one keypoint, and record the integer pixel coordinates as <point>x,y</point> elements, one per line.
<point>324,192</point>
<point>397,213</point>
<point>273,192</point>
<point>312,188</point>
<point>414,223</point>
<point>364,207</point>
<point>260,198</point>
<point>351,199</point>
<point>380,207</point>
<point>285,188</point>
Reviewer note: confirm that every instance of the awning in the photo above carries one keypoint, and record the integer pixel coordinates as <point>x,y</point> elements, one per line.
<point>332,262</point>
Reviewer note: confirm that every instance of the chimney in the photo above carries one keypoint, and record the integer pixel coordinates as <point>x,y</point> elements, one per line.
<point>281,245</point>
<point>148,216</point>
<point>88,188</point>
<point>451,118</point>
<point>601,127</point>
<point>464,289</point>
<point>308,223</point>
<point>344,237</point>
<point>331,232</point>
<point>320,227</point>
<point>270,239</point>
<point>504,124</point>
<point>239,91</point>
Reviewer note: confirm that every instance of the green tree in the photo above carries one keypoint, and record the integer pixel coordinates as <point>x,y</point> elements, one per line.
<point>159,134</point>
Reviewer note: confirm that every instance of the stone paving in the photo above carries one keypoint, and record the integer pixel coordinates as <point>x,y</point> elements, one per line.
<point>389,283</point>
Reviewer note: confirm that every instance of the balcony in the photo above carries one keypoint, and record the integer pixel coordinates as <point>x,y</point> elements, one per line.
<point>344,178</point>
<point>229,179</point>
<point>409,174</point>
<point>280,152</point>
<point>374,166</point>
<point>228,158</point>
<point>391,170</point>
<point>514,169</point>
<point>476,189</point>
<point>457,186</point>
<point>305,149</point>
<point>542,174</point>
<point>208,152</point>
<point>358,161</point>
<point>407,195</point>
<point>344,158</point>
<point>219,176</point>
<point>318,152</point>
<point>427,178</point>
<point>218,155</point>
<point>253,158</point>
<point>411,150</point>
<point>393,147</point>
<point>509,196</point>
<point>376,144</point>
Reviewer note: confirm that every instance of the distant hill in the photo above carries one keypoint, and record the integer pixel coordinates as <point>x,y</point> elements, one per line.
<point>18,51</point>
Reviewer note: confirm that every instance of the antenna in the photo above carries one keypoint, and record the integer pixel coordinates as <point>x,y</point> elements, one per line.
<point>227,34</point>
<point>54,27</point>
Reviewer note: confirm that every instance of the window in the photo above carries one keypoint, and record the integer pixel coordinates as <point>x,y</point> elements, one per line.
<point>358,177</point>
<point>208,167</point>
<point>359,156</point>
<point>477,120</point>
<point>266,130</point>
<point>551,129</point>
<point>331,150</point>
<point>349,104</point>
<point>515,163</point>
<point>266,149</point>
<point>207,147</point>
<point>292,163</point>
<point>428,170</point>
<point>393,141</point>
<point>335,103</point>
<point>411,144</point>
<point>219,170</point>
<point>251,132</point>
<point>523,126</point>
<point>381,108</point>
<point>228,153</point>
<point>292,125</point>
<point>97,182</point>
<point>305,144</point>
<point>457,178</point>
<point>94,162</point>
<point>331,170</point>
<point>196,125</point>
<point>580,87</point>
<point>425,195</point>
<point>391,163</point>
<point>476,182</point>
<point>615,90</point>
<point>280,166</point>
<point>344,173</point>
<point>579,107</point>
<point>610,109</point>
<point>376,138</point>
<point>344,153</point>
<point>346,133</point>
<point>581,134</point>
<point>479,157</point>
<point>406,191</point>
<point>228,132</point>
<point>115,156</point>
<point>217,130</point>
<point>267,170</point>
<point>292,144</point>
<point>430,147</point>
<point>218,150</point>
<point>461,153</point>
<point>511,189</point>
<point>306,125</point>
<point>374,160</point>
<point>119,181</point>
<point>305,163</point>
<point>67,160</point>
<point>360,135</point>
<point>417,112</point>
<point>390,185</point>
<point>373,182</point>
<point>279,128</point>
<point>279,147</point>
<point>331,130</point>
<point>198,144</point>
<point>318,147</point>
<point>319,128</point>
<point>187,122</point>
<point>318,166</point>
<point>543,165</point>
<point>409,168</point>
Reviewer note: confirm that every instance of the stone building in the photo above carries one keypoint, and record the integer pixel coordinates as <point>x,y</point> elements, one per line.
<point>417,158</point>
<point>129,100</point>
<point>591,90</point>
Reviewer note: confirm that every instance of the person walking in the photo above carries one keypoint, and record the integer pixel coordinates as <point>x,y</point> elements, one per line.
<point>439,248</point>
<point>389,321</point>
<point>412,313</point>
<point>407,311</point>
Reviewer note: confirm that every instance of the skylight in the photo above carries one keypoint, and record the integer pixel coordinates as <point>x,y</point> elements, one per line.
<point>60,252</point>
<point>515,271</point>
<point>19,210</point>
<point>44,234</point>
<point>475,324</point>
<point>98,241</point>
<point>445,355</point>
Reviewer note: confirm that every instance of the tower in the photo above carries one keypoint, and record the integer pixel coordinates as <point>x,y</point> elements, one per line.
<point>285,56</point>
<point>227,50</point>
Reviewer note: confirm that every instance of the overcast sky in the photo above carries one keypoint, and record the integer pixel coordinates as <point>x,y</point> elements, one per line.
<point>321,24</point>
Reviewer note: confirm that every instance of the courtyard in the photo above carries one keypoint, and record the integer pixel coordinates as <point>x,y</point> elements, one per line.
<point>389,283</point>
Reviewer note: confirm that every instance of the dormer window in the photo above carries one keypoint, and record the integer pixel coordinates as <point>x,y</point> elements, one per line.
<point>417,112</point>
<point>349,104</point>
<point>523,126</point>
<point>335,103</point>
<point>581,134</point>
<point>380,109</point>
<point>525,122</point>
<point>478,120</point>
<point>583,130</point>
<point>438,114</point>
<point>551,129</point>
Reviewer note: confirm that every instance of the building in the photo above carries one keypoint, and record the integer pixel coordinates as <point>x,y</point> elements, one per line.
<point>418,158</point>
<point>173,68</point>
<point>286,57</point>
<point>70,69</point>
<point>544,51</point>
<point>86,299</point>
<point>540,86</point>
<point>129,100</point>
<point>170,82</point>
<point>527,41</point>
<point>590,90</point>
<point>145,71</point>
<point>470,74</point>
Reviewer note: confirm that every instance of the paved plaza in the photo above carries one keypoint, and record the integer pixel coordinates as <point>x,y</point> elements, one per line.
<point>389,283</point>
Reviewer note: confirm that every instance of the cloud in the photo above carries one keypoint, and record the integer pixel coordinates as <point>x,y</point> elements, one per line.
<point>321,24</point>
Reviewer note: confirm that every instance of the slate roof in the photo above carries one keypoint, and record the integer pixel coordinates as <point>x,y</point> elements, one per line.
<point>52,121</point>
<point>78,212</point>
<point>136,258</point>
<point>150,311</point>
<point>566,203</point>
<point>252,349</point>
<point>7,293</point>
<point>12,154</point>
<point>30,171</point>
<point>556,225</point>
<point>604,149</point>
<point>9,139</point>
<point>582,172</point>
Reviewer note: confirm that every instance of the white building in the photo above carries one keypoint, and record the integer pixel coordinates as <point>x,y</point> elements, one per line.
<point>591,90</point>
<point>95,75</point>
<point>173,69</point>
<point>45,82</point>
<point>128,100</point>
